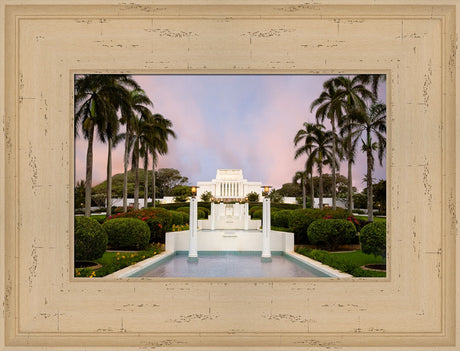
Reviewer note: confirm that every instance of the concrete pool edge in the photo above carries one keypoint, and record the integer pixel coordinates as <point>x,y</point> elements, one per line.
<point>127,272</point>
<point>332,272</point>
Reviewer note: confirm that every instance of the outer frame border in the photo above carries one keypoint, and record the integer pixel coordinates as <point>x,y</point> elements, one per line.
<point>454,287</point>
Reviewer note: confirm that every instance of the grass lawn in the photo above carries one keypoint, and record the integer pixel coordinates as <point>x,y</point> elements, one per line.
<point>113,261</point>
<point>376,219</point>
<point>348,262</point>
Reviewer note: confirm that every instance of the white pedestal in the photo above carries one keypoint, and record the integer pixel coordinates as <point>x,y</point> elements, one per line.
<point>266,251</point>
<point>193,222</point>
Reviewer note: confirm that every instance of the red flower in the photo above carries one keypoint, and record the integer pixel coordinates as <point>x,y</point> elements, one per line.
<point>159,225</point>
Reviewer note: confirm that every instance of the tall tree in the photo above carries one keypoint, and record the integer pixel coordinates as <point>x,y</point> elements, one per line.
<point>372,129</point>
<point>162,130</point>
<point>302,176</point>
<point>94,104</point>
<point>329,106</point>
<point>305,135</point>
<point>137,103</point>
<point>353,95</point>
<point>319,146</point>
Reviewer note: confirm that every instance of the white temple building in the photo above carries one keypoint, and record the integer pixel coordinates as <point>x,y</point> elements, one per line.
<point>229,185</point>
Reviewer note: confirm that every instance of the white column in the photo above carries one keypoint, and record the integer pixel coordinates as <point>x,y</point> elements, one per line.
<point>213,215</point>
<point>246,216</point>
<point>193,244</point>
<point>266,251</point>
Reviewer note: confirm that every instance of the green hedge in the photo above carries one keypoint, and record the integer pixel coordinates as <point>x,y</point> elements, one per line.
<point>177,218</point>
<point>90,239</point>
<point>373,239</point>
<point>158,219</point>
<point>281,218</point>
<point>257,214</point>
<point>300,220</point>
<point>254,209</point>
<point>127,234</point>
<point>331,233</point>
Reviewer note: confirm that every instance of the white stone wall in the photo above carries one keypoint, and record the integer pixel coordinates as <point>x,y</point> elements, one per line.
<point>229,240</point>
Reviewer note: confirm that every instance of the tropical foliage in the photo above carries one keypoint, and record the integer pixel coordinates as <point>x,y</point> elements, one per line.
<point>105,102</point>
<point>350,105</point>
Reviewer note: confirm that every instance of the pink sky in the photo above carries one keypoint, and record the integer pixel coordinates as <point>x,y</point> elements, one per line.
<point>246,122</point>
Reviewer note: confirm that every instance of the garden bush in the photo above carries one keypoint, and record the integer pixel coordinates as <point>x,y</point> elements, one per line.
<point>331,233</point>
<point>183,209</point>
<point>205,210</point>
<point>254,208</point>
<point>186,217</point>
<point>159,221</point>
<point>201,214</point>
<point>298,222</point>
<point>127,234</point>
<point>281,218</point>
<point>373,238</point>
<point>90,239</point>
<point>176,218</point>
<point>257,214</point>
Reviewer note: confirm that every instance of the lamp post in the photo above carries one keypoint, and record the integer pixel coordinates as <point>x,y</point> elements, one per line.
<point>266,251</point>
<point>193,227</point>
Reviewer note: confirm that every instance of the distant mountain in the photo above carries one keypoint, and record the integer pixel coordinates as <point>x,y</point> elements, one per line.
<point>117,184</point>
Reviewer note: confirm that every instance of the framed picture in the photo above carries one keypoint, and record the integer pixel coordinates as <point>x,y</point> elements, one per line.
<point>413,43</point>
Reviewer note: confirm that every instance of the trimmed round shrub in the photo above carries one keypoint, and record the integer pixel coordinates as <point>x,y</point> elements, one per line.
<point>201,214</point>
<point>176,218</point>
<point>159,221</point>
<point>257,214</point>
<point>298,222</point>
<point>373,239</point>
<point>253,209</point>
<point>127,233</point>
<point>206,211</point>
<point>184,209</point>
<point>186,218</point>
<point>331,233</point>
<point>281,218</point>
<point>90,239</point>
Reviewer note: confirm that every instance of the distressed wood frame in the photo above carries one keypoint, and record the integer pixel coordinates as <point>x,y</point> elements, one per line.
<point>45,42</point>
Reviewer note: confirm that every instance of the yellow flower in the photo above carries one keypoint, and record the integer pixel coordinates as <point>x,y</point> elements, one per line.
<point>122,256</point>
<point>143,256</point>
<point>155,253</point>
<point>118,258</point>
<point>118,253</point>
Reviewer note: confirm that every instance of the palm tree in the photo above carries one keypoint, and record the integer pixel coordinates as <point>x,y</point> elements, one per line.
<point>138,102</point>
<point>329,106</point>
<point>302,176</point>
<point>373,80</point>
<point>305,135</point>
<point>372,124</point>
<point>352,94</point>
<point>94,97</point>
<point>319,144</point>
<point>162,130</point>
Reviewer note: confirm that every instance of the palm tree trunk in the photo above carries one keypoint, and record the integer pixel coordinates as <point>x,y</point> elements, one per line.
<point>304,195</point>
<point>146,180</point>
<point>320,173</point>
<point>350,186</point>
<point>89,170</point>
<point>334,179</point>
<point>312,191</point>
<point>370,207</point>
<point>136,177</point>
<point>125,174</point>
<point>153,181</point>
<point>109,177</point>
